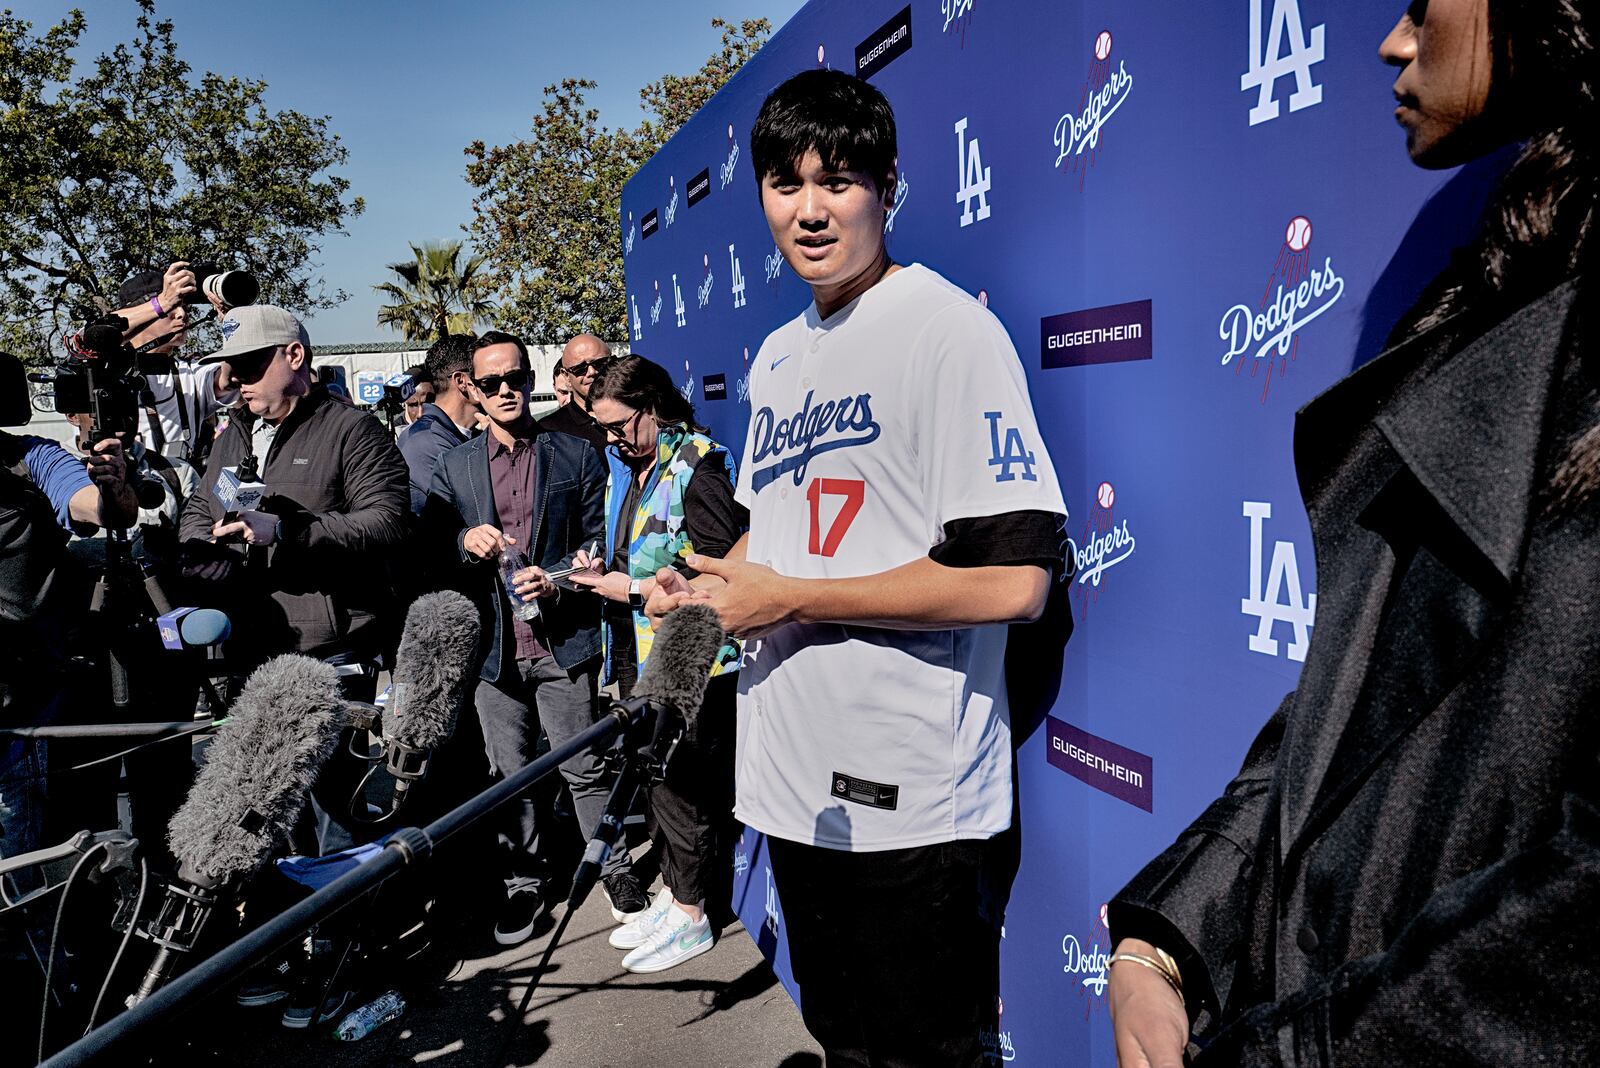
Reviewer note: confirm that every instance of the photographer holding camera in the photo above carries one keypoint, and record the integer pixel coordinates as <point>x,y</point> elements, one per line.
<point>181,394</point>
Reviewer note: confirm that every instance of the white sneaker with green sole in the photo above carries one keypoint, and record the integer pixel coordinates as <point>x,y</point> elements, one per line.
<point>675,939</point>
<point>636,932</point>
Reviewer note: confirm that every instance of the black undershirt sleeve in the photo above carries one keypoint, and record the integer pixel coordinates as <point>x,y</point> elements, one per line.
<point>712,517</point>
<point>1025,537</point>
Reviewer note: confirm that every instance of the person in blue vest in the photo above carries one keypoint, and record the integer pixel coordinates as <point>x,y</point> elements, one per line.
<point>670,494</point>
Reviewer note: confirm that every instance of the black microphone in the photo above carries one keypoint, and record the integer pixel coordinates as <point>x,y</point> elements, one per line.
<point>245,801</point>
<point>666,697</point>
<point>435,671</point>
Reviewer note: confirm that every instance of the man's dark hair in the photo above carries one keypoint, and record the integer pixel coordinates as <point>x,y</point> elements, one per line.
<point>500,337</point>
<point>644,386</point>
<point>847,121</point>
<point>419,374</point>
<point>450,354</point>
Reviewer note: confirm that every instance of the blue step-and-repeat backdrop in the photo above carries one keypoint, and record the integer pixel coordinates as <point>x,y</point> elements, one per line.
<point>1192,218</point>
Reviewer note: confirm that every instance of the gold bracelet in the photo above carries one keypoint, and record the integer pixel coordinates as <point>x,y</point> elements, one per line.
<point>1153,965</point>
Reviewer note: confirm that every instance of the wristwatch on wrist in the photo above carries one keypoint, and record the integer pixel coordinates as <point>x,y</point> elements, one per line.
<point>635,598</point>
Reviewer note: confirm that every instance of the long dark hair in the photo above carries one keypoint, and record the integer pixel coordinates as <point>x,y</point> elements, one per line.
<point>644,386</point>
<point>1538,228</point>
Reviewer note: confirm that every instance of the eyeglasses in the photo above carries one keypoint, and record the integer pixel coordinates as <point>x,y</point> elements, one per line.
<point>620,430</point>
<point>579,370</point>
<point>490,384</point>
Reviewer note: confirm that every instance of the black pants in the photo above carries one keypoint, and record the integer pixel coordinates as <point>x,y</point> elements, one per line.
<point>692,810</point>
<point>896,961</point>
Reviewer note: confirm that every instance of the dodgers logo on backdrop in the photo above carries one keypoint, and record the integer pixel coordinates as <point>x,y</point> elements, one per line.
<point>1103,545</point>
<point>627,239</point>
<point>738,279</point>
<point>997,1044</point>
<point>957,13</point>
<point>811,431</point>
<point>638,328</point>
<point>672,201</point>
<point>774,265</point>
<point>902,189</point>
<point>1086,962</point>
<point>1297,292</point>
<point>655,307</point>
<point>687,389</point>
<point>1269,62</point>
<point>744,379</point>
<point>972,176</point>
<point>1281,601</point>
<point>706,278</point>
<point>1077,133</point>
<point>1013,454</point>
<point>730,165</point>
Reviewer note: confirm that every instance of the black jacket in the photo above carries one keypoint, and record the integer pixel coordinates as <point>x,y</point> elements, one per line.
<point>338,484</point>
<point>1407,869</point>
<point>569,494</point>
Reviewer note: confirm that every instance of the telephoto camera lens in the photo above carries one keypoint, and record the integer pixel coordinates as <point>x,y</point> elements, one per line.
<point>232,288</point>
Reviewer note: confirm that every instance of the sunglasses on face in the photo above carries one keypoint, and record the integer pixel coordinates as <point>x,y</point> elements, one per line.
<point>620,430</point>
<point>490,384</point>
<point>578,370</point>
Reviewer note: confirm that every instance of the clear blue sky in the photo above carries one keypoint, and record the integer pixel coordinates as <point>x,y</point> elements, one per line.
<point>409,84</point>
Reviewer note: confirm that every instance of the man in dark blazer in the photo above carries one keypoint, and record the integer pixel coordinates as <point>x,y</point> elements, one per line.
<point>542,495</point>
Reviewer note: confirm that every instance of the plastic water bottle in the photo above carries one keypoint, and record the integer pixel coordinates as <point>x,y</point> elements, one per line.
<point>510,563</point>
<point>368,1018</point>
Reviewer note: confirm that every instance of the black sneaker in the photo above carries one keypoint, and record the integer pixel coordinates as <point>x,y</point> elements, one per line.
<point>518,915</point>
<point>627,898</point>
<point>300,1011</point>
<point>266,983</point>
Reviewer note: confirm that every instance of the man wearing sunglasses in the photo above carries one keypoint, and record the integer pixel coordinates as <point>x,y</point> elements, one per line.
<point>541,495</point>
<point>576,372</point>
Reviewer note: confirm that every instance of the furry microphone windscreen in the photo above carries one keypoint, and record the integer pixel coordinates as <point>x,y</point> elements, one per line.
<point>244,803</point>
<point>679,665</point>
<point>435,670</point>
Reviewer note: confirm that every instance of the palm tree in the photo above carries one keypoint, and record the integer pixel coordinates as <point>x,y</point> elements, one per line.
<point>436,294</point>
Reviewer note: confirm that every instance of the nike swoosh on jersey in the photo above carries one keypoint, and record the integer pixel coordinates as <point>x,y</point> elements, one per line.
<point>773,366</point>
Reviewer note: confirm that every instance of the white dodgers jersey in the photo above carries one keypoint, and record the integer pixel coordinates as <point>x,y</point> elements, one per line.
<point>869,432</point>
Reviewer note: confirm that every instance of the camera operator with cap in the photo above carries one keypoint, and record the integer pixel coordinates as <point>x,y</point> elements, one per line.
<point>157,305</point>
<point>305,570</point>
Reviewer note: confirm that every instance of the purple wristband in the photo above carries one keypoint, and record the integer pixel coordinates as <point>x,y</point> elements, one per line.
<point>155,302</point>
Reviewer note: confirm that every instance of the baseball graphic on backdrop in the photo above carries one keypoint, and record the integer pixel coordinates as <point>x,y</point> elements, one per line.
<point>1105,496</point>
<point>1102,45</point>
<point>1298,235</point>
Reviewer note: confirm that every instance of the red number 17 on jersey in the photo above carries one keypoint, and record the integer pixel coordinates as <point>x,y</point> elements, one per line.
<point>854,492</point>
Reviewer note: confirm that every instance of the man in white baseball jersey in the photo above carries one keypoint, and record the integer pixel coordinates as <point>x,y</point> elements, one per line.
<point>903,511</point>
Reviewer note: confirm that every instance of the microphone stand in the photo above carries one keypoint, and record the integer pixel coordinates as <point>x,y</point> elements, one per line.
<point>635,767</point>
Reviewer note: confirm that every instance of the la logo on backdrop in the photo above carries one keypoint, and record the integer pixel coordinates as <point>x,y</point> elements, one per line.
<point>1078,132</point>
<point>971,175</point>
<point>1269,61</point>
<point>1276,596</point>
<point>1265,335</point>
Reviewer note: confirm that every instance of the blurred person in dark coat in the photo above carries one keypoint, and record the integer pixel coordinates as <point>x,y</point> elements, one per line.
<point>1407,868</point>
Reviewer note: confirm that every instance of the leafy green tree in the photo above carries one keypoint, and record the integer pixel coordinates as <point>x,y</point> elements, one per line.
<point>137,162</point>
<point>546,208</point>
<point>436,294</point>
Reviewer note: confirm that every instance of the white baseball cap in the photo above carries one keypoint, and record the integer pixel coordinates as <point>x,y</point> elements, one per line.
<point>255,327</point>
